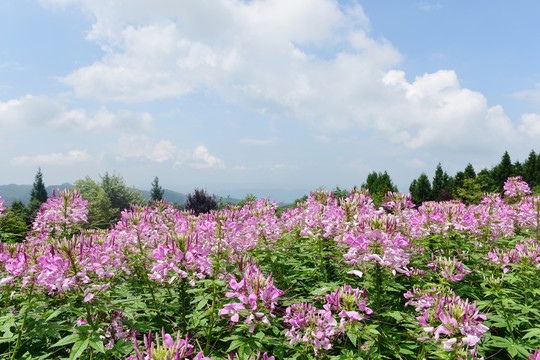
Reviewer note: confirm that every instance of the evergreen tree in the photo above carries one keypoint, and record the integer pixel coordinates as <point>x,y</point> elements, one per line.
<point>458,182</point>
<point>378,185</point>
<point>420,189</point>
<point>485,182</point>
<point>469,172</point>
<point>503,171</point>
<point>441,185</point>
<point>39,193</point>
<point>530,170</point>
<point>470,192</point>
<point>156,193</point>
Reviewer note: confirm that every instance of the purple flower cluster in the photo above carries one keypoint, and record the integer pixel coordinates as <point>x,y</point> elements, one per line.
<point>313,327</point>
<point>2,208</point>
<point>257,297</point>
<point>397,202</point>
<point>59,215</point>
<point>350,304</point>
<point>449,320</point>
<point>317,328</point>
<point>169,349</point>
<point>515,187</point>
<point>391,251</point>
<point>451,269</point>
<point>193,262</point>
<point>525,252</point>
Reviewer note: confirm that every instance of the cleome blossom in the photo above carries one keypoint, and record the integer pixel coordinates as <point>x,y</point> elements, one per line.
<point>451,269</point>
<point>449,321</point>
<point>256,294</point>
<point>314,327</point>
<point>515,187</point>
<point>2,208</point>
<point>168,350</point>
<point>349,303</point>
<point>59,215</point>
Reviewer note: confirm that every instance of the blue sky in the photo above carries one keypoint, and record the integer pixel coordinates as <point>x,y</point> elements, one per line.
<point>264,95</point>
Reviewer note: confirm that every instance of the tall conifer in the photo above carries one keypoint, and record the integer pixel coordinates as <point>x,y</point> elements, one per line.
<point>39,193</point>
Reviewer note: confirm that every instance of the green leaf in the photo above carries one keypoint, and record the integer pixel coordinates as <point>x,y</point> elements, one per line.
<point>78,348</point>
<point>97,345</point>
<point>512,350</point>
<point>532,333</point>
<point>234,344</point>
<point>67,340</point>
<point>54,314</point>
<point>352,337</point>
<point>202,303</point>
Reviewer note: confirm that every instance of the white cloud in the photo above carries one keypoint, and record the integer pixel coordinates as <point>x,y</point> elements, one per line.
<point>201,159</point>
<point>308,60</point>
<point>48,112</point>
<point>530,125</point>
<point>416,163</point>
<point>435,111</point>
<point>257,142</point>
<point>164,150</point>
<point>532,95</point>
<point>429,5</point>
<point>69,158</point>
<point>142,147</point>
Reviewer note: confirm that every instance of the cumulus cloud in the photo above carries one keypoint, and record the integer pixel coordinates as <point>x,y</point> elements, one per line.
<point>309,60</point>
<point>70,158</point>
<point>143,147</point>
<point>48,112</point>
<point>257,142</point>
<point>530,125</point>
<point>200,158</point>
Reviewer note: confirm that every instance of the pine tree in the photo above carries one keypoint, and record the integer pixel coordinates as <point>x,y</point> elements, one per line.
<point>441,185</point>
<point>420,189</point>
<point>39,193</point>
<point>469,172</point>
<point>378,185</point>
<point>503,171</point>
<point>530,170</point>
<point>156,193</point>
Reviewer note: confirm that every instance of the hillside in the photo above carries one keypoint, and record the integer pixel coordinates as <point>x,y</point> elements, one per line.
<point>13,192</point>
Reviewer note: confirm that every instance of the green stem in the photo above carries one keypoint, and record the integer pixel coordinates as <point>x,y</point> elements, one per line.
<point>19,335</point>
<point>183,304</point>
<point>322,270</point>
<point>144,274</point>
<point>217,266</point>
<point>508,322</point>
<point>378,303</point>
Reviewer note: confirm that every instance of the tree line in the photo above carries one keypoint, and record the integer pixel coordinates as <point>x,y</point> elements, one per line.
<point>469,186</point>
<point>109,196</point>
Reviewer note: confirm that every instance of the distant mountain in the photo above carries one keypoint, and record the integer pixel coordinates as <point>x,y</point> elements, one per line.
<point>13,192</point>
<point>169,195</point>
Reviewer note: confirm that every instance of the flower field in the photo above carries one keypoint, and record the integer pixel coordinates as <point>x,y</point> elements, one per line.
<point>329,279</point>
